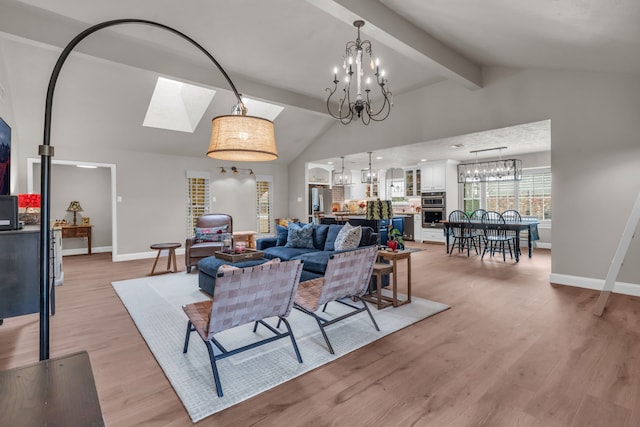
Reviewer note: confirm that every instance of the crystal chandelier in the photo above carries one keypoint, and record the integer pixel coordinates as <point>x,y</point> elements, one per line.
<point>356,104</point>
<point>494,170</point>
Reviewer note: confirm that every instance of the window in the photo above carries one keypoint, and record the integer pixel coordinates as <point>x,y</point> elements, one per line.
<point>197,195</point>
<point>531,196</point>
<point>471,197</point>
<point>535,195</point>
<point>264,202</point>
<point>500,196</point>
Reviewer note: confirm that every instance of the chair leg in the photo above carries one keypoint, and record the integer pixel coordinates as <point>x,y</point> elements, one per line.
<point>190,329</point>
<point>188,269</point>
<point>324,334</point>
<point>293,339</point>
<point>369,311</point>
<point>214,368</point>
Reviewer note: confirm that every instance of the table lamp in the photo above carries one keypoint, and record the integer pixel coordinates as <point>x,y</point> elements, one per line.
<point>74,207</point>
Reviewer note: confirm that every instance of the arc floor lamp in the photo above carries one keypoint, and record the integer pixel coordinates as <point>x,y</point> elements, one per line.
<point>233,137</point>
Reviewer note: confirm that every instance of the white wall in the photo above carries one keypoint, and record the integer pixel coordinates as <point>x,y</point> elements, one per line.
<point>595,154</point>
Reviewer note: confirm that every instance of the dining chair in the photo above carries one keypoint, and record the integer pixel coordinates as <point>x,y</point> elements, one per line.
<point>495,236</point>
<point>462,232</point>
<point>512,215</point>
<point>476,216</point>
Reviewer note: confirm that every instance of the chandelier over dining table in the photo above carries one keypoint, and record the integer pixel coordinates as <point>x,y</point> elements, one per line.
<point>358,102</point>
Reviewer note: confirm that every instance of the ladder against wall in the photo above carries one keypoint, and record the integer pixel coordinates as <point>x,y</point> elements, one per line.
<point>616,263</point>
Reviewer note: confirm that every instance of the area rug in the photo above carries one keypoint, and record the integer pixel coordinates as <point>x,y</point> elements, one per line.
<point>154,304</point>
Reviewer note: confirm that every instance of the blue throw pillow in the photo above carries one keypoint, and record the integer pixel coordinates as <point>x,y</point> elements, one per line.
<point>300,237</point>
<point>282,233</point>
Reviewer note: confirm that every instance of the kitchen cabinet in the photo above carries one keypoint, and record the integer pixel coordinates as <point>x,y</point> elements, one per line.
<point>433,235</point>
<point>434,176</point>
<point>417,227</point>
<point>19,272</point>
<point>412,182</point>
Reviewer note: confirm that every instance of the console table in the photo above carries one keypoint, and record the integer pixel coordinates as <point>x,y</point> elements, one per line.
<point>69,231</point>
<point>53,392</point>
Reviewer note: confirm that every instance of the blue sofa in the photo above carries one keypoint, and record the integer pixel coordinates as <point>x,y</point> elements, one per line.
<point>314,259</point>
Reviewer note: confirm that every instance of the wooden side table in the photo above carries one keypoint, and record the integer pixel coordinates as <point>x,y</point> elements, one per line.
<point>245,236</point>
<point>394,257</point>
<point>171,256</point>
<point>69,231</point>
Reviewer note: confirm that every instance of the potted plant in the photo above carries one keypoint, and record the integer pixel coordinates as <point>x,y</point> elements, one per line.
<point>394,235</point>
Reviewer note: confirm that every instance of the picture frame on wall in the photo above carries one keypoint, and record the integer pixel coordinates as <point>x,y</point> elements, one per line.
<point>5,158</point>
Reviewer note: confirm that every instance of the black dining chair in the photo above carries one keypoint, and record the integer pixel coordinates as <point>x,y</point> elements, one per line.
<point>511,215</point>
<point>495,236</point>
<point>462,232</point>
<point>476,216</point>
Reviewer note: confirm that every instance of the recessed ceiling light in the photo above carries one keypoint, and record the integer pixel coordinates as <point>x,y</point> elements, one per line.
<point>456,146</point>
<point>330,163</point>
<point>379,158</point>
<point>87,166</point>
<point>423,160</point>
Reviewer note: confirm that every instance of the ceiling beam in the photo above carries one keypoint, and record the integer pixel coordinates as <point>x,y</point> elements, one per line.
<point>391,29</point>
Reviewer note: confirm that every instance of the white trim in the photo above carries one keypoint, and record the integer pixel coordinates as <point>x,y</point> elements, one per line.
<point>143,255</point>
<point>632,289</point>
<point>83,251</point>
<point>114,210</point>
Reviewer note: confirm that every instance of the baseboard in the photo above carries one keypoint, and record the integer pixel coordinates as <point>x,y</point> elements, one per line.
<point>144,255</point>
<point>595,284</point>
<point>83,251</point>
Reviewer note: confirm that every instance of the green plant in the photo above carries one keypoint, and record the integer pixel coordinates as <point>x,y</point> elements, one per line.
<point>395,234</point>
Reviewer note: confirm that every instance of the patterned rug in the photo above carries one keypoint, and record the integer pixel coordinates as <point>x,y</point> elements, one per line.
<point>154,304</point>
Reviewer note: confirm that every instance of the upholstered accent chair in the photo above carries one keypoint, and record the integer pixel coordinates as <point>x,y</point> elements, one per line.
<point>242,296</point>
<point>204,244</point>
<point>346,279</point>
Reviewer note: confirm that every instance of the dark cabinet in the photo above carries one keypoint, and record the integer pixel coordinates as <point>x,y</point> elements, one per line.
<point>19,272</point>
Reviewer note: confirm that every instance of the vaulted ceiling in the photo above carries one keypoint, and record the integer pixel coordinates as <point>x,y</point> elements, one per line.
<point>284,51</point>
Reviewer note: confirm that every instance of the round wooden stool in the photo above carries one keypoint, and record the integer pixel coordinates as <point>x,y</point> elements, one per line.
<point>171,247</point>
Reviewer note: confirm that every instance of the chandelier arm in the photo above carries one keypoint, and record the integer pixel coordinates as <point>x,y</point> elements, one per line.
<point>46,152</point>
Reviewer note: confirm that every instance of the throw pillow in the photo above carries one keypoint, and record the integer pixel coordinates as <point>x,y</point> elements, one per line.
<point>210,234</point>
<point>348,237</point>
<point>300,236</point>
<point>282,233</point>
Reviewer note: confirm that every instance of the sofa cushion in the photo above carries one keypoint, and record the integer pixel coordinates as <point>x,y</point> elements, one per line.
<point>367,237</point>
<point>285,253</point>
<point>348,238</point>
<point>320,236</point>
<point>315,261</point>
<point>334,229</point>
<point>300,236</point>
<point>281,232</point>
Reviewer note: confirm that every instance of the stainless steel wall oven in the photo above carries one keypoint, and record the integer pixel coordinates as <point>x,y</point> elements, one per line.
<point>433,208</point>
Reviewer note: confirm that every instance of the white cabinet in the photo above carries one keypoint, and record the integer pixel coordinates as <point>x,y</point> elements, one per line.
<point>434,176</point>
<point>433,235</point>
<point>417,227</point>
<point>412,182</point>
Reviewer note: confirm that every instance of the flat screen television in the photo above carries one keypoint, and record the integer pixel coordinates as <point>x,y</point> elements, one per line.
<point>5,158</point>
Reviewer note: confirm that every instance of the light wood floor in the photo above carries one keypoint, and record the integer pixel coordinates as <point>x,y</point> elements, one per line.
<point>512,351</point>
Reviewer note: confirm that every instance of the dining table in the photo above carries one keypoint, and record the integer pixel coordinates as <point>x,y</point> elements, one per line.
<point>529,225</point>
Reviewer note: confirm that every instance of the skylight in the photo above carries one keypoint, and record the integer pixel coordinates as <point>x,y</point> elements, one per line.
<point>177,106</point>
<point>262,109</point>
